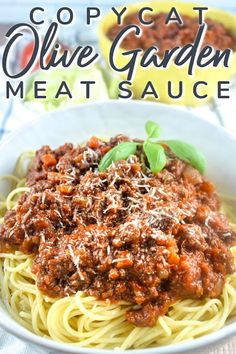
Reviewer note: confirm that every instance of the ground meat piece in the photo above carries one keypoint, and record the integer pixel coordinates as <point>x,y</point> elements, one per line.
<point>173,35</point>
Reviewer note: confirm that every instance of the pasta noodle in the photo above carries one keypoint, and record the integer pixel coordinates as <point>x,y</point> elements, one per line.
<point>85,321</point>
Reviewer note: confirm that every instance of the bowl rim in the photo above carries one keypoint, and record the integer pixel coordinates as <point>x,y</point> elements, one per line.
<point>14,328</point>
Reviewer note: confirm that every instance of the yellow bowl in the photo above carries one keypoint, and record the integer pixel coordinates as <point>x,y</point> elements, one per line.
<point>160,77</point>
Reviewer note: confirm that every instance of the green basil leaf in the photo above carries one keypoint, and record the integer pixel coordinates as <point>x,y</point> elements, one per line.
<point>153,129</point>
<point>156,156</point>
<point>119,152</point>
<point>188,153</point>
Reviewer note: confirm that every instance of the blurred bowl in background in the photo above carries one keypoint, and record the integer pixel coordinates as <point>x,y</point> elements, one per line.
<point>160,77</point>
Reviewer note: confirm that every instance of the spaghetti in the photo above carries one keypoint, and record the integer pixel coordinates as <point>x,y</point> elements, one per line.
<point>83,320</point>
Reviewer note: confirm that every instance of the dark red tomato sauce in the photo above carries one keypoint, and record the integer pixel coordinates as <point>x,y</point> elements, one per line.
<point>172,35</point>
<point>122,234</point>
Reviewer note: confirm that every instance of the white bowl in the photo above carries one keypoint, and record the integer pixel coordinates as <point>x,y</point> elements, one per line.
<point>109,118</point>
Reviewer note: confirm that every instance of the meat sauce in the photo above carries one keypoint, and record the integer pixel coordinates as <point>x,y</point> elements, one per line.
<point>172,35</point>
<point>123,234</point>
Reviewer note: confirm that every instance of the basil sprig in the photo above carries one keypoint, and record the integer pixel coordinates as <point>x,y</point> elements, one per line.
<point>156,156</point>
<point>188,153</point>
<point>153,129</point>
<point>154,151</point>
<point>120,152</point>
